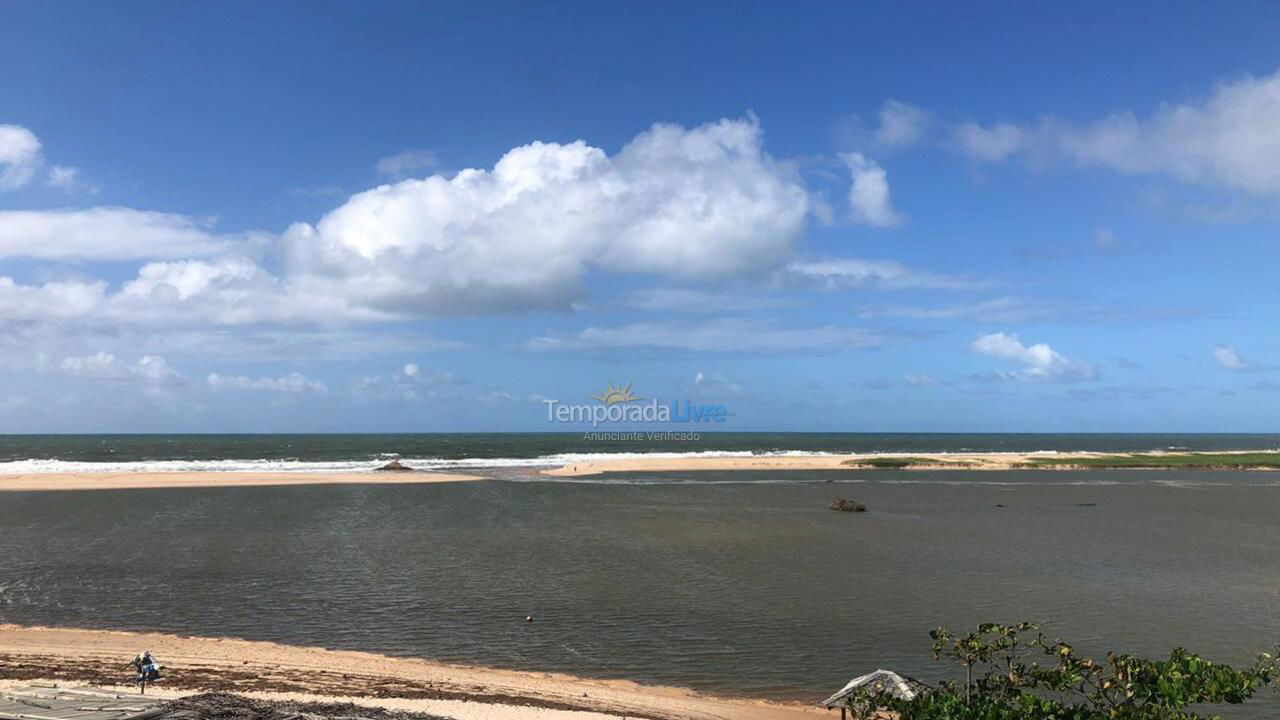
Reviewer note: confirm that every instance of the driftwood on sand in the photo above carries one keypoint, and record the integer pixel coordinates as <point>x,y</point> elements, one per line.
<point>847,505</point>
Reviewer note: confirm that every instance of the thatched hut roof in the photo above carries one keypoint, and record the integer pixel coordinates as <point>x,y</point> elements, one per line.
<point>884,682</point>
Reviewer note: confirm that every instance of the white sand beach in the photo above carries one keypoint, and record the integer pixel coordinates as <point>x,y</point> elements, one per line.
<point>271,671</point>
<point>930,461</point>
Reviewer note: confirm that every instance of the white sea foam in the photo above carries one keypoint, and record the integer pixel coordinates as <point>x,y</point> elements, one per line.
<point>38,466</point>
<point>45,465</point>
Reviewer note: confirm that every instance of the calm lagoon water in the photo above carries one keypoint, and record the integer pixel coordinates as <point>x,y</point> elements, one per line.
<point>728,582</point>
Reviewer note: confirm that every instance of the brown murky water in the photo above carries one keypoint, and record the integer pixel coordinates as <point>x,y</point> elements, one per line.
<point>741,583</point>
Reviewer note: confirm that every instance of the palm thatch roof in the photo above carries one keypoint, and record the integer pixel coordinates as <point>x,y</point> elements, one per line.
<point>880,682</point>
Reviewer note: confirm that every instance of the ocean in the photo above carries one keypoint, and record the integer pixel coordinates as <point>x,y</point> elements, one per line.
<point>740,583</point>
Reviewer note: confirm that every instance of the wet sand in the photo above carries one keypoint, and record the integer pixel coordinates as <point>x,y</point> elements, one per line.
<point>272,671</point>
<point>137,480</point>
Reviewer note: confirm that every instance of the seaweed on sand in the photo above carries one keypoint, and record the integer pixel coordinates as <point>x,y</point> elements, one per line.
<point>226,706</point>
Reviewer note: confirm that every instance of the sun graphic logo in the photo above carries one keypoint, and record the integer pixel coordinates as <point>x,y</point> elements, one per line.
<point>616,395</point>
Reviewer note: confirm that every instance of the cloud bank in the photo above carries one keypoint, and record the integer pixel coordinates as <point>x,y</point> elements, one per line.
<point>678,203</point>
<point>1227,139</point>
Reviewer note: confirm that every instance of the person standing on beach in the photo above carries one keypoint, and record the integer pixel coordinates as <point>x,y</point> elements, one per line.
<point>148,669</point>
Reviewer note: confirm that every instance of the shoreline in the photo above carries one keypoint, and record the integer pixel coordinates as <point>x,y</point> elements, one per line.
<point>271,670</point>
<point>924,461</point>
<point>1224,460</point>
<point>39,482</point>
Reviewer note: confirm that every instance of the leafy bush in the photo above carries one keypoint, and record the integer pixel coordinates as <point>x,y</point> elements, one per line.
<point>1004,681</point>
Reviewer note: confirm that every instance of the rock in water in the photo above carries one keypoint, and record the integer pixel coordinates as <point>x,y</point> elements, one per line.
<point>394,466</point>
<point>847,505</point>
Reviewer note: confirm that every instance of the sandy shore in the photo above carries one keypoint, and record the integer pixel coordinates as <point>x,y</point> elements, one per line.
<point>274,671</point>
<point>935,461</point>
<point>136,480</point>
<point>1048,461</point>
<point>1075,460</point>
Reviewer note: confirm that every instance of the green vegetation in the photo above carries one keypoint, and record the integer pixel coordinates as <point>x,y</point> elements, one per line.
<point>1131,461</point>
<point>1205,461</point>
<point>897,463</point>
<point>1003,681</point>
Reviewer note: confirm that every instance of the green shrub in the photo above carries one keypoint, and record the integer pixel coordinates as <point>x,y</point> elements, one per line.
<point>1014,672</point>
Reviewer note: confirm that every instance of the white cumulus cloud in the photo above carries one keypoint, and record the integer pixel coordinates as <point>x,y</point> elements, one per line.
<point>1229,358</point>
<point>49,301</point>
<point>691,203</point>
<point>685,204</point>
<point>1040,361</point>
<point>22,157</point>
<point>869,195</point>
<point>19,156</point>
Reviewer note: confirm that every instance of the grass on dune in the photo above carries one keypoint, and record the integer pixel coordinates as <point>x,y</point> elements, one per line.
<point>1132,461</point>
<point>1232,461</point>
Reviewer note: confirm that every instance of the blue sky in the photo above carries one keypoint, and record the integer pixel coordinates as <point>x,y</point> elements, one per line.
<point>865,217</point>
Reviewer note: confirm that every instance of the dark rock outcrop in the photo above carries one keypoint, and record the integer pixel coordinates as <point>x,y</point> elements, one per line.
<point>847,505</point>
<point>394,466</point>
